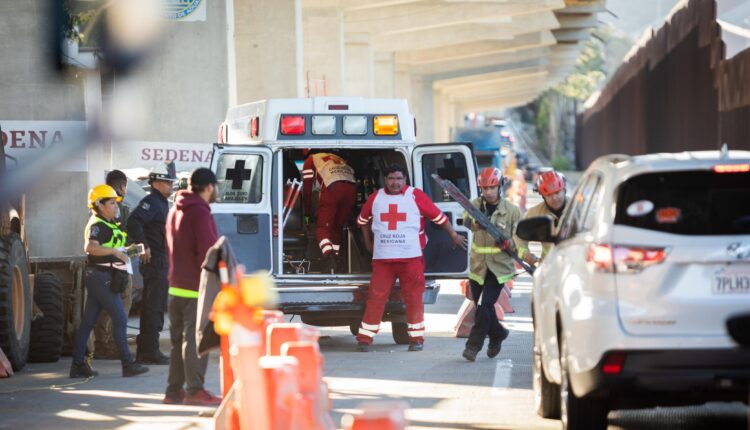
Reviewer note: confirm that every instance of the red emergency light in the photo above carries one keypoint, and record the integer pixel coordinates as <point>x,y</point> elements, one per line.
<point>292,125</point>
<point>254,126</point>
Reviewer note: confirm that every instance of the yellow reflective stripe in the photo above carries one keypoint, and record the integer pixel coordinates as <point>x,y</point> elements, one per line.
<point>476,278</point>
<point>485,249</point>
<point>522,252</point>
<point>181,292</point>
<point>506,278</point>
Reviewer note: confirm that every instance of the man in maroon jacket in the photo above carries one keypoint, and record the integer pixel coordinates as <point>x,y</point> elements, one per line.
<point>191,231</point>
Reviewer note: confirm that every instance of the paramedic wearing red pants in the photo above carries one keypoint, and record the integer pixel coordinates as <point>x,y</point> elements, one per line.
<point>397,213</point>
<point>338,192</point>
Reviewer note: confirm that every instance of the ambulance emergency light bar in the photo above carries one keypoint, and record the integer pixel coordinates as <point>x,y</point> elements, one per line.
<point>318,118</point>
<point>327,125</point>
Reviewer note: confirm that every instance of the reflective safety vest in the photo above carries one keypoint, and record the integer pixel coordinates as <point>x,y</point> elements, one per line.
<point>117,240</point>
<point>396,221</point>
<point>485,252</point>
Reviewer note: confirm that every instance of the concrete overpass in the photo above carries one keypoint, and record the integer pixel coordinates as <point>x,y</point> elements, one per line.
<point>446,56</point>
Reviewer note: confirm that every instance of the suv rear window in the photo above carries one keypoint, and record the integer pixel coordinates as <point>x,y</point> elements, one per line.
<point>686,202</point>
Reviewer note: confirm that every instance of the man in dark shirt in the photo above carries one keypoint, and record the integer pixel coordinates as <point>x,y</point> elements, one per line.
<point>146,225</point>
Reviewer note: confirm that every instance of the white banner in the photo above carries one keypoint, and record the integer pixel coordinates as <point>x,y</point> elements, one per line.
<point>25,140</point>
<point>184,10</point>
<point>186,156</point>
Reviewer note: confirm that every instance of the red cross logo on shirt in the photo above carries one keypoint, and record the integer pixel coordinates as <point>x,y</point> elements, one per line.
<point>393,216</point>
<point>335,159</point>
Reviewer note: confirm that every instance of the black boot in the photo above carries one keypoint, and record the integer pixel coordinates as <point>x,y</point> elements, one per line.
<point>470,353</point>
<point>496,343</point>
<point>158,358</point>
<point>82,371</point>
<point>133,369</point>
<point>329,263</point>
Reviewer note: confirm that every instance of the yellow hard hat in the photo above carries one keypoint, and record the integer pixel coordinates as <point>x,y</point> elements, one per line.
<point>102,192</point>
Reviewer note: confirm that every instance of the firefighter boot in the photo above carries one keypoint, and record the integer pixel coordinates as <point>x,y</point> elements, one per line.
<point>470,353</point>
<point>493,349</point>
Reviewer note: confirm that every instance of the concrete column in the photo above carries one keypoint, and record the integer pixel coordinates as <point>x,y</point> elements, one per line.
<point>421,102</point>
<point>268,49</point>
<point>324,51</point>
<point>359,65</point>
<point>444,116</point>
<point>384,75</point>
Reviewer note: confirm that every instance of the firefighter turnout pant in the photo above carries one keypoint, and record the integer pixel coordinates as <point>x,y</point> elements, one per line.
<point>485,323</point>
<point>335,208</point>
<point>410,273</point>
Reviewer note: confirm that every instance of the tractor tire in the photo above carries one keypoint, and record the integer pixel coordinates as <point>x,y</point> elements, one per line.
<point>15,301</point>
<point>400,333</point>
<point>47,330</point>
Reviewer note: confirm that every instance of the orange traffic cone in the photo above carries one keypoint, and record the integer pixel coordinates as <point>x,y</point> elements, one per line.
<point>504,301</point>
<point>6,370</point>
<point>377,416</point>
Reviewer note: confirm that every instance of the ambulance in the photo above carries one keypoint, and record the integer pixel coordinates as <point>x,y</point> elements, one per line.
<point>258,163</point>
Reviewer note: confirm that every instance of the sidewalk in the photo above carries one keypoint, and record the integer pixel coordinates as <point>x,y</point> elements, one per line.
<point>45,392</point>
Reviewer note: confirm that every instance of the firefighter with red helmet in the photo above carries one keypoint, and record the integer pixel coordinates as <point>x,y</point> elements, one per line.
<point>338,192</point>
<point>490,267</point>
<point>551,186</point>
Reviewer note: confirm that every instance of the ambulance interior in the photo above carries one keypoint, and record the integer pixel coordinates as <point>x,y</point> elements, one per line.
<point>300,249</point>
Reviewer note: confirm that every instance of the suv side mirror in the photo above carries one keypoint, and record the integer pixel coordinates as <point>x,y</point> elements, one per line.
<point>536,229</point>
<point>738,327</point>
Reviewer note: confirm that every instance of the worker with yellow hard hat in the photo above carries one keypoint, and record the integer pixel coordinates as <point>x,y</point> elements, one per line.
<point>106,278</point>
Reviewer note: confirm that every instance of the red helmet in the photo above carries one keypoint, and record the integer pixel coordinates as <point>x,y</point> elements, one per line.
<point>490,177</point>
<point>549,183</point>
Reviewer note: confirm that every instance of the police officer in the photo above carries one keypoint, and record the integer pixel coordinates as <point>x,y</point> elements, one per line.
<point>551,186</point>
<point>490,266</point>
<point>146,225</point>
<point>106,278</point>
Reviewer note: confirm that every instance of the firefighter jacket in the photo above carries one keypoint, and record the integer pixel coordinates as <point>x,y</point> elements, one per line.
<point>539,210</point>
<point>485,252</point>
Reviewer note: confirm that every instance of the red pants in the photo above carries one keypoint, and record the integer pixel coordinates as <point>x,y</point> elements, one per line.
<point>335,208</point>
<point>410,273</point>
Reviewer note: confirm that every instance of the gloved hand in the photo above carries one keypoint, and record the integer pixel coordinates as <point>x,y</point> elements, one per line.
<point>530,258</point>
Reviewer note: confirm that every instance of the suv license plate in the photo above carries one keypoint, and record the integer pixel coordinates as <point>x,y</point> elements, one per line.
<point>730,280</point>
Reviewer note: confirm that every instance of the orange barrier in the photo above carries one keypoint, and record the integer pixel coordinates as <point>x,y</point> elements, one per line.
<point>279,333</point>
<point>282,390</point>
<point>275,380</point>
<point>377,416</point>
<point>315,408</point>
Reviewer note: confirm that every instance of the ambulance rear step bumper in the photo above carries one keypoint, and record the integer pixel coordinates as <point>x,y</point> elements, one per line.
<point>298,300</point>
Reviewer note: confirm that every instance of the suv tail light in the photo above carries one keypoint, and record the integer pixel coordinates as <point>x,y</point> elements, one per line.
<point>614,363</point>
<point>624,259</point>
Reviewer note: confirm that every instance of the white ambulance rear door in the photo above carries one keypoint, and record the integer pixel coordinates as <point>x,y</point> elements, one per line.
<point>456,163</point>
<point>243,210</point>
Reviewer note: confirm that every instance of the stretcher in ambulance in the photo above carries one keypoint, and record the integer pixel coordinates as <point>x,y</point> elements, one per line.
<point>258,163</point>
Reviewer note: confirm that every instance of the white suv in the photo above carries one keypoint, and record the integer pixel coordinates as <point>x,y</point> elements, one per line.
<point>652,256</point>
